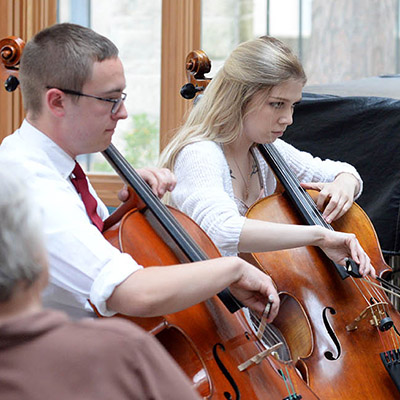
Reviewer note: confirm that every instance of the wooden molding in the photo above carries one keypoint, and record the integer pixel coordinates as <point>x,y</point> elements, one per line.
<point>181,23</point>
<point>21,18</point>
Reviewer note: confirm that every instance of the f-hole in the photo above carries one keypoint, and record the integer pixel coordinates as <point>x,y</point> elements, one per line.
<point>328,354</point>
<point>226,373</point>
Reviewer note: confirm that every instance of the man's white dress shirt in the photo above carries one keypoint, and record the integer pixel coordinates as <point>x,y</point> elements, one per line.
<point>83,264</point>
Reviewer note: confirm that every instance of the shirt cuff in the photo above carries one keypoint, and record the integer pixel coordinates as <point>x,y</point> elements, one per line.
<point>112,275</point>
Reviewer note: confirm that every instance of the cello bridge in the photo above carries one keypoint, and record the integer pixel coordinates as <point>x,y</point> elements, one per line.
<point>255,360</point>
<point>376,313</point>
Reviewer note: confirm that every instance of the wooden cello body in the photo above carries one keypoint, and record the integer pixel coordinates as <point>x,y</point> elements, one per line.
<point>336,329</point>
<point>207,341</point>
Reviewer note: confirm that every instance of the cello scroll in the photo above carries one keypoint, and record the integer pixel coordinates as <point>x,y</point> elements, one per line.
<point>197,64</point>
<point>11,49</point>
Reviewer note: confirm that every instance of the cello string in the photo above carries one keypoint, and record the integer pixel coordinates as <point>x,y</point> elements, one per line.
<point>290,381</point>
<point>359,289</point>
<point>381,287</point>
<point>381,310</point>
<point>296,189</point>
<point>386,282</point>
<point>378,289</point>
<point>268,338</point>
<point>383,307</point>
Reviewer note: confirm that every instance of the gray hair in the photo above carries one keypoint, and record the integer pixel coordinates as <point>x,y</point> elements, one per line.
<point>60,56</point>
<point>22,253</point>
<point>254,66</point>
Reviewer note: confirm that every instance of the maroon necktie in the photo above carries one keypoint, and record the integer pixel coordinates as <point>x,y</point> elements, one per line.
<point>81,185</point>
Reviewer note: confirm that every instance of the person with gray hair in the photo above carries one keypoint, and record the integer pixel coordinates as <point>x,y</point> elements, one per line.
<point>220,172</point>
<point>45,355</point>
<point>73,83</point>
<point>22,252</point>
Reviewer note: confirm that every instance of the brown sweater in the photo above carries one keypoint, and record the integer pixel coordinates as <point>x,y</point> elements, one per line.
<point>46,356</point>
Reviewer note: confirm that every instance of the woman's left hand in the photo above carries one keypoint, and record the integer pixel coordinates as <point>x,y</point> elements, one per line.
<point>335,198</point>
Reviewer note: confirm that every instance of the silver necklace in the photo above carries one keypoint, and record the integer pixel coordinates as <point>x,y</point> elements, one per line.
<point>246,182</point>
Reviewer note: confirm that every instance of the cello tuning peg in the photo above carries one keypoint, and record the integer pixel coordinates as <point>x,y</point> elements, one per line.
<point>11,83</point>
<point>188,91</point>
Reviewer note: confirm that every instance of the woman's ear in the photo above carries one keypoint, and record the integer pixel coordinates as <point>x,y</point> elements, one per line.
<point>55,102</point>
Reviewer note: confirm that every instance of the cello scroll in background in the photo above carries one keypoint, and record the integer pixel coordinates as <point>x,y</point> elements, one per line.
<point>11,49</point>
<point>197,64</point>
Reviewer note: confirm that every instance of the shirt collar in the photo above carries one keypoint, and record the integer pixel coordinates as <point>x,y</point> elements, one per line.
<point>62,161</point>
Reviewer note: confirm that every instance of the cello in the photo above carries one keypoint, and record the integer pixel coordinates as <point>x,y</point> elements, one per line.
<point>353,323</point>
<point>341,333</point>
<point>218,350</point>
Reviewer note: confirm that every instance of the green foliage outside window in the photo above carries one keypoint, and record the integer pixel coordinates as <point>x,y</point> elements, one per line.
<point>142,144</point>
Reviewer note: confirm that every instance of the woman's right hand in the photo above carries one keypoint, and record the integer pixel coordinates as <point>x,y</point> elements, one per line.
<point>340,246</point>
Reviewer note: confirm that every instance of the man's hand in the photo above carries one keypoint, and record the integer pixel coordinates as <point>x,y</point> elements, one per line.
<point>160,180</point>
<point>255,290</point>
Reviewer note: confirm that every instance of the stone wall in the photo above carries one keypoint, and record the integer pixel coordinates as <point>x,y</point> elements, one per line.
<point>351,39</point>
<point>343,39</point>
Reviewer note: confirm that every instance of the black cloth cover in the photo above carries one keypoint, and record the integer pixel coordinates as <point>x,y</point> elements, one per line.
<point>365,132</point>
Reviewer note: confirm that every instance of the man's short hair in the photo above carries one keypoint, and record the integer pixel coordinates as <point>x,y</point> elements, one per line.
<point>60,56</point>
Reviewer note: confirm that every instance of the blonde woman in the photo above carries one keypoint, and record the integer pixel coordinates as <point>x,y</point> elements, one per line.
<point>220,172</point>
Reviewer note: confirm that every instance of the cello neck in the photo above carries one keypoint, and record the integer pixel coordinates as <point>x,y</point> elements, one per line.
<point>164,216</point>
<point>300,198</point>
<point>154,204</point>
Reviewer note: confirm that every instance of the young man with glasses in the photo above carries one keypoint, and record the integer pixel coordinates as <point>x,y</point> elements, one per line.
<point>69,77</point>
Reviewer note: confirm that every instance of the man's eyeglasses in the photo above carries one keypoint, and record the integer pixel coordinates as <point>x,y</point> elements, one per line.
<point>117,102</point>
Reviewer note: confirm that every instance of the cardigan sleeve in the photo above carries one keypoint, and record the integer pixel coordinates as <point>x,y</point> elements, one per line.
<point>313,169</point>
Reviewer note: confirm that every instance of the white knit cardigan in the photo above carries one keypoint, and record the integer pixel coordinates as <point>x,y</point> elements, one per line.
<point>205,193</point>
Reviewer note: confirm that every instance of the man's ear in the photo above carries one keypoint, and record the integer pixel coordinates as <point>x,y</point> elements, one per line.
<point>55,102</point>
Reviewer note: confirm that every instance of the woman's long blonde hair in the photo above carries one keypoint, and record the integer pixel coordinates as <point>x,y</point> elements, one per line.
<point>255,65</point>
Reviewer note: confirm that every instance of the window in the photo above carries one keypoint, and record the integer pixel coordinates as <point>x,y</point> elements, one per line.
<point>335,40</point>
<point>135,28</point>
